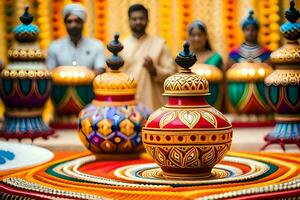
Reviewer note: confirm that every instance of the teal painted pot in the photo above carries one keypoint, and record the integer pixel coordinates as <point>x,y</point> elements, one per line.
<point>72,91</point>
<point>246,95</point>
<point>24,93</point>
<point>283,95</point>
<point>215,78</point>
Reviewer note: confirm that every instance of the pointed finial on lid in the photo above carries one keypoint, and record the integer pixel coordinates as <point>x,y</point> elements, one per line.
<point>289,54</point>
<point>291,28</point>
<point>292,14</point>
<point>26,31</point>
<point>186,58</point>
<point>115,61</point>
<point>26,18</point>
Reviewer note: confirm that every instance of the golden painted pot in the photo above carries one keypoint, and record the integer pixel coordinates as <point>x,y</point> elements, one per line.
<point>215,78</point>
<point>246,94</point>
<point>187,137</point>
<point>72,90</point>
<point>112,123</point>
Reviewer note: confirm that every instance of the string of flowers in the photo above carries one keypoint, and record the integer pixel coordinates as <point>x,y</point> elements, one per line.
<point>269,18</point>
<point>57,18</point>
<point>44,23</point>
<point>3,52</point>
<point>231,24</point>
<point>186,18</point>
<point>100,27</point>
<point>165,21</point>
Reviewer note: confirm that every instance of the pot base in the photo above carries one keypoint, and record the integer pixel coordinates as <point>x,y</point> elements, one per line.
<point>282,134</point>
<point>21,128</point>
<point>182,176</point>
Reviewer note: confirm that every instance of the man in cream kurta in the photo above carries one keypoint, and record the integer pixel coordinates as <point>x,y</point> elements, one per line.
<point>147,59</point>
<point>76,49</point>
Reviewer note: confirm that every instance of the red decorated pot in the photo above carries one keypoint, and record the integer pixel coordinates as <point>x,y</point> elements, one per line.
<point>187,137</point>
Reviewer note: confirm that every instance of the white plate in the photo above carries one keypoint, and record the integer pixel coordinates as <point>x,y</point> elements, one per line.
<point>25,155</point>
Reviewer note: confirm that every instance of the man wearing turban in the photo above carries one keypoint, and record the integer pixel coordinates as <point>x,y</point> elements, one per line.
<point>76,49</point>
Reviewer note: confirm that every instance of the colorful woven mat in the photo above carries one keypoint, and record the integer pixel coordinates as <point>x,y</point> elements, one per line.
<point>86,176</point>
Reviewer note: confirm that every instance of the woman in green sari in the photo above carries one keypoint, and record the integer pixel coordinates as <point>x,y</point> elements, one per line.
<point>198,38</point>
<point>209,63</point>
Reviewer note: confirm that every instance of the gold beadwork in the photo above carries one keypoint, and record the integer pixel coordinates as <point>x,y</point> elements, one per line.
<point>24,74</point>
<point>26,54</point>
<point>284,77</point>
<point>288,54</point>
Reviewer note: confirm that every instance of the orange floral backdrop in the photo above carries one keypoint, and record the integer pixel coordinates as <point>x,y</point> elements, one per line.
<point>168,18</point>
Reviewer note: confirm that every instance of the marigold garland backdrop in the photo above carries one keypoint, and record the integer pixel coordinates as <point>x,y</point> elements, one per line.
<point>167,18</point>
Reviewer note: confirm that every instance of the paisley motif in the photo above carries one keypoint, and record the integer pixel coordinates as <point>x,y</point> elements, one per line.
<point>167,118</point>
<point>210,118</point>
<point>189,118</point>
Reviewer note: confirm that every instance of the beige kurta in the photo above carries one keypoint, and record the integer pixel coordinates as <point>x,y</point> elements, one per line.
<point>150,89</point>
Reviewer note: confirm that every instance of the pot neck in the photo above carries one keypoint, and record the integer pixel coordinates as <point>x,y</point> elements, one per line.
<point>182,101</point>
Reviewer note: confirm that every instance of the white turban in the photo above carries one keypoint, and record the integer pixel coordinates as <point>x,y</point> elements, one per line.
<point>75,9</point>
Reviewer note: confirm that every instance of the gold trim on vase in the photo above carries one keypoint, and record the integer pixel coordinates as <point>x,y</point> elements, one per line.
<point>288,54</point>
<point>114,83</point>
<point>186,107</point>
<point>246,71</point>
<point>25,74</point>
<point>114,103</point>
<point>186,84</point>
<point>26,54</point>
<point>33,112</point>
<point>212,73</point>
<point>186,129</point>
<point>116,91</point>
<point>72,75</point>
<point>284,77</point>
<point>155,138</point>
<point>287,118</point>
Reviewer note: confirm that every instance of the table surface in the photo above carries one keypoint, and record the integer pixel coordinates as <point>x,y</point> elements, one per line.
<point>244,139</point>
